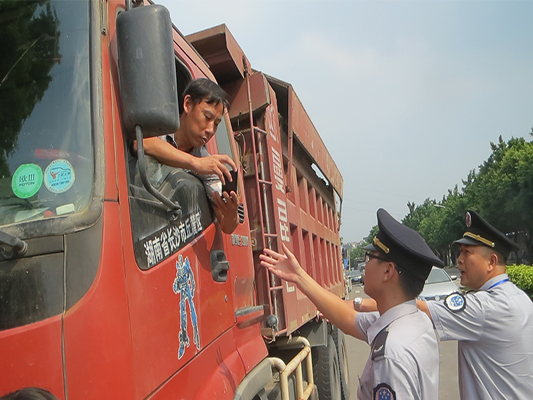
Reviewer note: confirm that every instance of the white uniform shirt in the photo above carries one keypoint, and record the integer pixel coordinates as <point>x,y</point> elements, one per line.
<point>405,365</point>
<point>495,334</point>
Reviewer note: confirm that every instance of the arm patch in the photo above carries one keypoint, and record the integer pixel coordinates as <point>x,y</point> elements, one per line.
<point>383,392</point>
<point>455,302</point>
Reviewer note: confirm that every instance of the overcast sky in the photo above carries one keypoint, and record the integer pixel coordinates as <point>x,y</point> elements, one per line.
<point>406,95</point>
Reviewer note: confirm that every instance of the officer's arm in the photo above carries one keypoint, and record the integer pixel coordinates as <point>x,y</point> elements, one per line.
<point>340,313</point>
<point>422,306</point>
<point>367,305</point>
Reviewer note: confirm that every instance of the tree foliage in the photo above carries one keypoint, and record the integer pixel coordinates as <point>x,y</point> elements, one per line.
<point>522,276</point>
<point>501,191</point>
<point>29,49</point>
<point>358,252</point>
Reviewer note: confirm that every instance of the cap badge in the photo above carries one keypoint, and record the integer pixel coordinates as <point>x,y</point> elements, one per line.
<point>380,244</point>
<point>468,220</point>
<point>455,302</point>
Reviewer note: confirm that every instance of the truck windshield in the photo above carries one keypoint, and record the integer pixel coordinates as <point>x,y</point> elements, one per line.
<point>46,150</point>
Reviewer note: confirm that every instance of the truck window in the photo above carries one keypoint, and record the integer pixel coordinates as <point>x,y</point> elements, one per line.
<point>223,139</point>
<point>46,146</point>
<point>155,238</point>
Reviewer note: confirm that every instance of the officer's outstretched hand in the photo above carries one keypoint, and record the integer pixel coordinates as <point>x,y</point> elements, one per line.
<point>284,266</point>
<point>214,164</point>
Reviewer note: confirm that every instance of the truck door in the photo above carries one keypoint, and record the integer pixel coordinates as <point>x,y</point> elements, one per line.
<point>177,305</point>
<point>179,296</point>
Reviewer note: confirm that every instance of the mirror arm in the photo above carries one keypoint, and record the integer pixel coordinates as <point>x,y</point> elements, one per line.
<point>133,3</point>
<point>174,207</point>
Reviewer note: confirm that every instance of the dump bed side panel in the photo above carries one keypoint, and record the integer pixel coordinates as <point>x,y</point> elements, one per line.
<point>291,182</point>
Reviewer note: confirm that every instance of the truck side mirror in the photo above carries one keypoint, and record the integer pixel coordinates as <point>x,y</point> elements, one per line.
<point>147,71</point>
<point>148,86</point>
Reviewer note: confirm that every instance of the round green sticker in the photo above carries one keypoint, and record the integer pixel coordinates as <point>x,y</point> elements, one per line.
<point>27,180</point>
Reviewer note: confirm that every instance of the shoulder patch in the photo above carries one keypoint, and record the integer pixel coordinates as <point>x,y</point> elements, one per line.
<point>383,392</point>
<point>378,346</point>
<point>455,302</point>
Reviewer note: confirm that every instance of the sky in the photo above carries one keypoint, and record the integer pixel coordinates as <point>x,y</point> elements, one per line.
<point>406,95</point>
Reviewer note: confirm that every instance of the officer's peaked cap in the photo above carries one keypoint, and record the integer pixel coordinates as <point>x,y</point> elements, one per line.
<point>480,233</point>
<point>404,246</point>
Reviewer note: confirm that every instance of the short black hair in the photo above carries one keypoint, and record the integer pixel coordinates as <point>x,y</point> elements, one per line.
<point>411,285</point>
<point>502,260</point>
<point>29,393</point>
<point>204,89</point>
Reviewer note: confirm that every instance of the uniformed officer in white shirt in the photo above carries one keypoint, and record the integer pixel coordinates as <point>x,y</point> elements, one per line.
<point>494,324</point>
<point>404,360</point>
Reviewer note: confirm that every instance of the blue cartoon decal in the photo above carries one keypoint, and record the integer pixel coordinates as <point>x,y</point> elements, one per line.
<point>184,285</point>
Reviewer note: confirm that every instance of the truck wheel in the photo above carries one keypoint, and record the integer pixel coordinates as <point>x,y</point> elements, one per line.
<point>326,371</point>
<point>340,343</point>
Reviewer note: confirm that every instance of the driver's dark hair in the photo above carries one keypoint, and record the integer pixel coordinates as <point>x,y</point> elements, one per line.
<point>29,393</point>
<point>205,89</point>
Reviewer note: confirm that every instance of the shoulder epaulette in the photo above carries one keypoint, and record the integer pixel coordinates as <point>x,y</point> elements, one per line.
<point>378,346</point>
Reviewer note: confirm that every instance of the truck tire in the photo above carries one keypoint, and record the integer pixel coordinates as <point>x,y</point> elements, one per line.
<point>340,343</point>
<point>326,371</point>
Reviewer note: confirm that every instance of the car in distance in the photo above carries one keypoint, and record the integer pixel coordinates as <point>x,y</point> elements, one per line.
<point>354,275</point>
<point>438,285</point>
<point>362,267</point>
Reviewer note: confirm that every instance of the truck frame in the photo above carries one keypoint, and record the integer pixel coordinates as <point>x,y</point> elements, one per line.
<point>115,278</point>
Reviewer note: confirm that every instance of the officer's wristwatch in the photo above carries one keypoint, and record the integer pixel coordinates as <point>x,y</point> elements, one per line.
<point>357,303</point>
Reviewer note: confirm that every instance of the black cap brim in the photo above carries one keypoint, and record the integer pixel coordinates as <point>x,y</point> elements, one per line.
<point>468,242</point>
<point>370,247</point>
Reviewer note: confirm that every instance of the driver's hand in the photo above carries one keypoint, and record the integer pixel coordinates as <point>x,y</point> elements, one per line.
<point>215,164</point>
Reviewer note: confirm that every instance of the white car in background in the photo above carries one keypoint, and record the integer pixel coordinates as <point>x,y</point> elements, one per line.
<point>438,285</point>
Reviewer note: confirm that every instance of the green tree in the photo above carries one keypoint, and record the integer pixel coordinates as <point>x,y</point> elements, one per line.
<point>502,191</point>
<point>29,48</point>
<point>358,252</point>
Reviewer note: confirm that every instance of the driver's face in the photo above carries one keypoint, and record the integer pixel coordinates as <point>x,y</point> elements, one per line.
<point>201,121</point>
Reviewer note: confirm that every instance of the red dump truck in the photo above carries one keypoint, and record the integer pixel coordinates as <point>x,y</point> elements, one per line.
<point>116,281</point>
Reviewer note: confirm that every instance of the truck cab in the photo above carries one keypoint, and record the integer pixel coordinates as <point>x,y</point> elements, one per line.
<point>115,279</point>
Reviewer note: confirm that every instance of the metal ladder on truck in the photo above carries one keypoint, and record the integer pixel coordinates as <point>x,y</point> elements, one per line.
<point>263,232</point>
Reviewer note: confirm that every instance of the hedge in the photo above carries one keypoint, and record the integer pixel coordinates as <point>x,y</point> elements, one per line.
<point>522,276</point>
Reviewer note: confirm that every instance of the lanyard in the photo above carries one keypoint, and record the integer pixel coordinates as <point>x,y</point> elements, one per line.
<point>498,283</point>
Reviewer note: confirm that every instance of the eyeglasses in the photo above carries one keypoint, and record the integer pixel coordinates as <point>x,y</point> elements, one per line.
<point>368,256</point>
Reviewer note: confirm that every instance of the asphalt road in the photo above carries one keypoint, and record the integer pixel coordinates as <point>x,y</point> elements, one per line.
<point>358,352</point>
